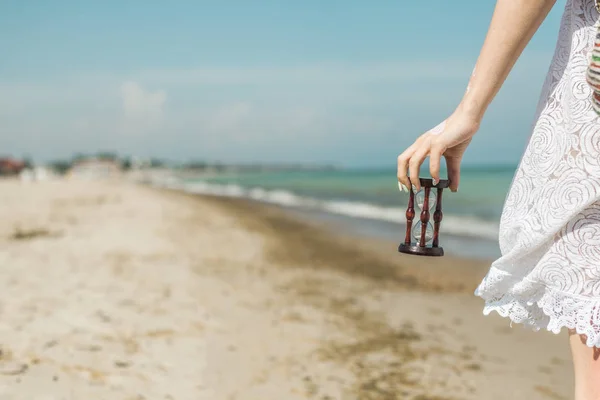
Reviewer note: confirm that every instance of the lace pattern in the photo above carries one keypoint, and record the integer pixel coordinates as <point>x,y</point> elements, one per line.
<point>549,272</point>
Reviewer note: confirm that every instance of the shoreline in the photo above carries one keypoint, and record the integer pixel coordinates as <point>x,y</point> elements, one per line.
<point>348,252</point>
<point>466,235</point>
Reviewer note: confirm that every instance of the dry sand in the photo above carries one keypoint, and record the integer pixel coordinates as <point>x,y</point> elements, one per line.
<point>116,291</point>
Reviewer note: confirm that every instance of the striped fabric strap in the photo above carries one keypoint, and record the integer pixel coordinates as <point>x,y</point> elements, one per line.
<point>593,69</point>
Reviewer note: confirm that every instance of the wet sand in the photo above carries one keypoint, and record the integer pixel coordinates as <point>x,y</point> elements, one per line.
<point>119,291</point>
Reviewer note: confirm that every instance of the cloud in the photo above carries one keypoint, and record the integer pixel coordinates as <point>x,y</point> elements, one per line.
<point>229,119</point>
<point>299,112</point>
<point>250,131</point>
<point>142,110</point>
<point>318,73</point>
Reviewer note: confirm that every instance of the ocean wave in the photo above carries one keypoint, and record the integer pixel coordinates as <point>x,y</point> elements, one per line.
<point>462,225</point>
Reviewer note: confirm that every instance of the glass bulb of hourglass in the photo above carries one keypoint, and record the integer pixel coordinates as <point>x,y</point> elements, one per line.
<point>416,231</point>
<point>420,199</point>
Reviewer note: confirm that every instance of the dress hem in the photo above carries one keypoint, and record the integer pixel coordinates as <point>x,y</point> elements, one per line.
<point>537,306</point>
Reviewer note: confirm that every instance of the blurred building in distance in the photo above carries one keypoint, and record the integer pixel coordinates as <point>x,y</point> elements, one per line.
<point>95,168</point>
<point>36,174</point>
<point>10,166</point>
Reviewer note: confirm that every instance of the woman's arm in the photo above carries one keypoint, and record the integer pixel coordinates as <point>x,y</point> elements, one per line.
<point>512,27</point>
<point>513,24</point>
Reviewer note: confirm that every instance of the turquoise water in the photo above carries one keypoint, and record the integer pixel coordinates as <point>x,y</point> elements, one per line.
<point>369,202</point>
<point>481,193</point>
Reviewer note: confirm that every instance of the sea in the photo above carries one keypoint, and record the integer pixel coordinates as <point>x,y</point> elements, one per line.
<point>367,202</point>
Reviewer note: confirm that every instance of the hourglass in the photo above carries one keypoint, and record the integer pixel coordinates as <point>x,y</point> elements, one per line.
<point>426,236</point>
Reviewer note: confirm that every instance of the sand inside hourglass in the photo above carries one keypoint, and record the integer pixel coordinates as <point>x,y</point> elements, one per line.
<point>416,231</point>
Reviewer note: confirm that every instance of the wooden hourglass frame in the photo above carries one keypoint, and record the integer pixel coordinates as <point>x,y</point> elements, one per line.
<point>421,247</point>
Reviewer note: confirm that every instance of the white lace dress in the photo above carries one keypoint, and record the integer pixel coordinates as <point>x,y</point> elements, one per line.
<point>549,273</point>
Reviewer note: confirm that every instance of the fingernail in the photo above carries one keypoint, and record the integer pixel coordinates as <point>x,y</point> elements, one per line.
<point>435,182</point>
<point>414,188</point>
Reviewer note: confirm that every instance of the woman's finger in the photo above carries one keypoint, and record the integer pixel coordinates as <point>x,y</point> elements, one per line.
<point>453,165</point>
<point>435,156</point>
<point>403,160</point>
<point>415,162</point>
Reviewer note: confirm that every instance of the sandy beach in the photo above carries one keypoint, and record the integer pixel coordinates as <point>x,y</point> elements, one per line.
<point>113,290</point>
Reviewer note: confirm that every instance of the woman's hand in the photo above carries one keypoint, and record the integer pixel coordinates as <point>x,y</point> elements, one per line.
<point>513,24</point>
<point>449,139</point>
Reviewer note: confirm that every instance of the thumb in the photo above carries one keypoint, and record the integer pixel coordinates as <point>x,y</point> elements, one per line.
<point>453,165</point>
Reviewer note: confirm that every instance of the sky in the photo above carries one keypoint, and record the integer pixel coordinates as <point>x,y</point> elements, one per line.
<point>350,83</point>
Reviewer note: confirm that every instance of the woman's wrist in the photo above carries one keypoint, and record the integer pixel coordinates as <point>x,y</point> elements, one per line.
<point>471,111</point>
